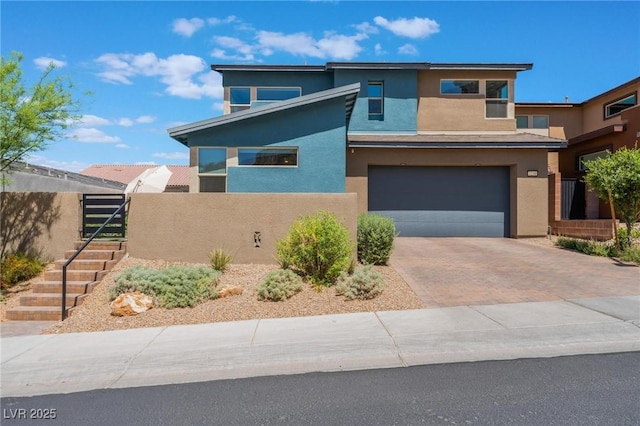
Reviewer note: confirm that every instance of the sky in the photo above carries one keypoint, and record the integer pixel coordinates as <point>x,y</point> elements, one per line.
<point>147,64</point>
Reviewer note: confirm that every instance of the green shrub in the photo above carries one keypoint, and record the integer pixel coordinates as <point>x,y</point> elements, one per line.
<point>631,254</point>
<point>279,285</point>
<point>375,238</point>
<point>365,283</point>
<point>317,246</point>
<point>219,259</point>
<point>623,234</point>
<point>18,267</point>
<point>590,247</point>
<point>172,287</point>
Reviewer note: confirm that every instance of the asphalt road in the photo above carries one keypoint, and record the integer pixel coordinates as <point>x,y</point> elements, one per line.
<point>577,390</point>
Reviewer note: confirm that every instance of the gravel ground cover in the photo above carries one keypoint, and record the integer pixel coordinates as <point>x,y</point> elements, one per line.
<point>95,314</point>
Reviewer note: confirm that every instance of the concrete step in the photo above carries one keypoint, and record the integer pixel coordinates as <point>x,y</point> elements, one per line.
<point>73,287</point>
<point>86,265</point>
<point>36,313</point>
<point>75,275</point>
<point>52,299</point>
<point>103,245</point>
<point>96,254</point>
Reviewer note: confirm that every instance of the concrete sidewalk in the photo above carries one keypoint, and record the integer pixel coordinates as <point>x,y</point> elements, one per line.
<point>47,364</point>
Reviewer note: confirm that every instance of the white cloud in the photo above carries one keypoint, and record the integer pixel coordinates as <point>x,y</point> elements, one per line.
<point>122,146</point>
<point>43,62</point>
<point>378,49</point>
<point>246,50</point>
<point>218,21</point>
<point>412,28</point>
<point>301,44</point>
<point>366,28</point>
<point>145,163</point>
<point>172,155</point>
<point>187,27</point>
<point>92,136</point>
<point>71,166</point>
<point>89,120</point>
<point>145,119</point>
<point>125,122</point>
<point>176,72</point>
<point>408,49</point>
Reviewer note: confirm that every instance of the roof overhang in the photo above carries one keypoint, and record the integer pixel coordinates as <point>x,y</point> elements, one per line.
<point>349,92</point>
<point>604,131</point>
<point>516,140</point>
<point>221,68</point>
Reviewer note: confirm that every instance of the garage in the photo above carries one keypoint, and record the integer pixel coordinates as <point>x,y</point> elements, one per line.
<point>442,201</point>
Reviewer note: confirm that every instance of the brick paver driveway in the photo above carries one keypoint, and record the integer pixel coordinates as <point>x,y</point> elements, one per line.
<point>486,271</point>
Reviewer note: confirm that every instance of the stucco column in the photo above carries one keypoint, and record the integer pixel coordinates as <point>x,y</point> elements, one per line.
<point>592,204</point>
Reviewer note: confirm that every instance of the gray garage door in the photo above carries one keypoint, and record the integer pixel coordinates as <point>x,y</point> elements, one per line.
<point>442,201</point>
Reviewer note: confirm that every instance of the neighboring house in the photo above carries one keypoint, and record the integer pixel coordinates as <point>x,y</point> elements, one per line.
<point>603,123</point>
<point>25,177</point>
<point>434,146</point>
<point>125,173</point>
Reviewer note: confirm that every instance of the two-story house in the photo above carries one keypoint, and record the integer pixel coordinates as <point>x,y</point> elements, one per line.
<point>432,145</point>
<point>605,122</point>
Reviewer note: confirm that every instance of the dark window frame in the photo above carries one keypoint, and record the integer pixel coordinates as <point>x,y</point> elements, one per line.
<point>296,153</point>
<point>608,104</point>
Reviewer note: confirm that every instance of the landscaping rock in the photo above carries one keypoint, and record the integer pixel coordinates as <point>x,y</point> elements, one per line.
<point>128,304</point>
<point>230,290</point>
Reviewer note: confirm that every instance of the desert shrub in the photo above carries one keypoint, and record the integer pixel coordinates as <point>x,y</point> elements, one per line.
<point>630,254</point>
<point>18,267</point>
<point>219,259</point>
<point>590,247</point>
<point>172,287</point>
<point>375,238</point>
<point>623,234</point>
<point>279,285</point>
<point>365,283</point>
<point>318,246</point>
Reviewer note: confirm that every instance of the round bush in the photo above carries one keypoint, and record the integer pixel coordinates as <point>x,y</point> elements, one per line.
<point>18,267</point>
<point>375,238</point>
<point>318,246</point>
<point>279,285</point>
<point>365,283</point>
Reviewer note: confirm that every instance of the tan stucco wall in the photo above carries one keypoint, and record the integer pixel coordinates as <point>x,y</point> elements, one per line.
<point>594,110</point>
<point>529,204</point>
<point>186,227</point>
<point>564,121</point>
<point>460,112</point>
<point>47,223</point>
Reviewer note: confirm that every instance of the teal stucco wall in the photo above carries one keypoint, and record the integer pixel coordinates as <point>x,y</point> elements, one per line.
<point>319,133</point>
<point>309,81</point>
<point>400,100</point>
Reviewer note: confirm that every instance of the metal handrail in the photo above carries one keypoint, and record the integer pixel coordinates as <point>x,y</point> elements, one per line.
<point>82,247</point>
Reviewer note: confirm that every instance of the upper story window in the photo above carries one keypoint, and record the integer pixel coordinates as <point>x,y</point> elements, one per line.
<point>459,87</point>
<point>212,161</point>
<point>620,105</point>
<point>268,156</point>
<point>589,157</point>
<point>532,121</point>
<point>277,93</point>
<point>239,98</point>
<point>497,94</point>
<point>375,94</point>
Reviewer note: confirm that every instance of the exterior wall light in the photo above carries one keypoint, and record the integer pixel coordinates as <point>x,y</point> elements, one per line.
<point>532,173</point>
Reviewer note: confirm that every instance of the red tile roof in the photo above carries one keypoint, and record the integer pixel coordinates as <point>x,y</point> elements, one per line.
<point>125,173</point>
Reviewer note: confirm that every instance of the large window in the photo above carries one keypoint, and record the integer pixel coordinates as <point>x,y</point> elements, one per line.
<point>497,95</point>
<point>239,98</point>
<point>375,94</point>
<point>212,161</point>
<point>277,93</point>
<point>459,87</point>
<point>591,156</point>
<point>620,105</point>
<point>267,156</point>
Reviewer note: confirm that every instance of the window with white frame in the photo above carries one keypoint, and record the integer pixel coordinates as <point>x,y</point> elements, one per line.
<point>272,156</point>
<point>459,87</point>
<point>239,98</point>
<point>497,95</point>
<point>375,95</point>
<point>616,107</point>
